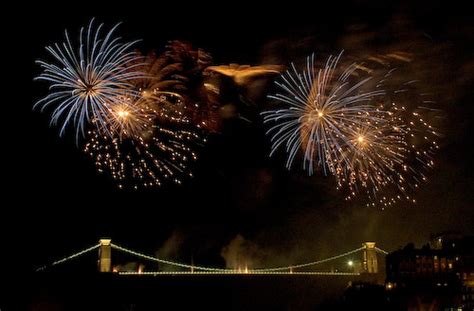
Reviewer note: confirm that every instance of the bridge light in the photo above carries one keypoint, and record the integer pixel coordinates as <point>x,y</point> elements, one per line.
<point>350,263</point>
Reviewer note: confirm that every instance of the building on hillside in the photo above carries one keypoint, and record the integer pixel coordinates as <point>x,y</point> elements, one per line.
<point>439,274</point>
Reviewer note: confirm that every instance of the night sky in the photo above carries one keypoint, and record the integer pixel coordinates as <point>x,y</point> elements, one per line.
<point>55,203</point>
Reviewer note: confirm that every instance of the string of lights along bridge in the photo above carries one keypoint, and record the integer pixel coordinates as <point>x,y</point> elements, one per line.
<point>368,252</point>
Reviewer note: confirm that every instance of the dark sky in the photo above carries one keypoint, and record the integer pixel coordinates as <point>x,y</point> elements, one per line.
<point>56,203</point>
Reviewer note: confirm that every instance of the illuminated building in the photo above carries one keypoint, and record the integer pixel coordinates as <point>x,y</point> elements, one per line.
<point>441,272</point>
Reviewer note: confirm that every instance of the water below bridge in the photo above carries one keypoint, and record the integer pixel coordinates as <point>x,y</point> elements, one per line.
<point>185,292</point>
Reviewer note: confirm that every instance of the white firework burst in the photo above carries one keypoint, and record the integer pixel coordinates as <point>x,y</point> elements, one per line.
<point>321,109</point>
<point>86,80</point>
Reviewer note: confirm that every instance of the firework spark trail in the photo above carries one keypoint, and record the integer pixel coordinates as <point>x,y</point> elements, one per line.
<point>85,83</point>
<point>144,161</point>
<point>413,140</point>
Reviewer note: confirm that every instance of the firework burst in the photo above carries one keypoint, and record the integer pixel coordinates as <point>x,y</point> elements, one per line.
<point>353,128</point>
<point>376,152</point>
<point>394,159</point>
<point>86,81</point>
<point>128,117</point>
<point>152,139</point>
<point>322,106</point>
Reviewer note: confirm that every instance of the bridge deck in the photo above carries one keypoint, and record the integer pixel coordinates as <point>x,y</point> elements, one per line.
<point>238,273</point>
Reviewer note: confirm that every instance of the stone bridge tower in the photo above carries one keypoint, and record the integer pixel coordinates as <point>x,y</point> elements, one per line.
<point>105,255</point>
<point>369,259</point>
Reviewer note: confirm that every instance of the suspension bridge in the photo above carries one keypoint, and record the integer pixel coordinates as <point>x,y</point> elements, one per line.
<point>368,252</point>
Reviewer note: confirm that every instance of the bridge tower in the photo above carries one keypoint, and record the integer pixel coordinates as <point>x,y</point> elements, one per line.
<point>105,255</point>
<point>370,258</point>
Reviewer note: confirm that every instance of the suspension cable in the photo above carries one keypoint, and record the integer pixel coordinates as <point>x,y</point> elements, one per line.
<point>163,261</point>
<point>75,255</point>
<point>310,263</point>
<point>177,264</point>
<point>381,251</point>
